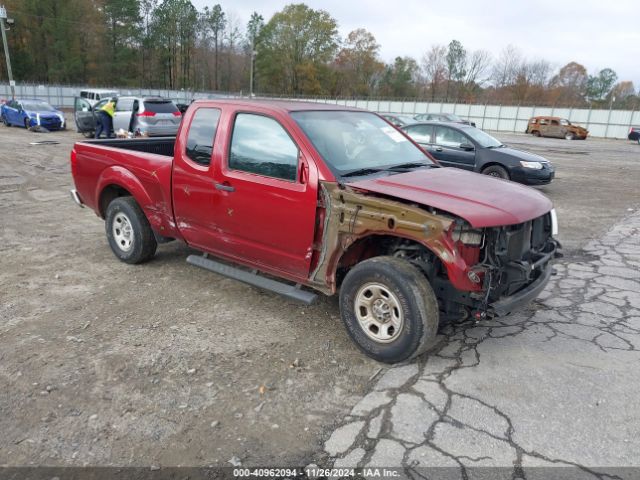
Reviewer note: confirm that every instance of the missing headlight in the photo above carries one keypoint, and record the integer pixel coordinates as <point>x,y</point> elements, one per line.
<point>467,235</point>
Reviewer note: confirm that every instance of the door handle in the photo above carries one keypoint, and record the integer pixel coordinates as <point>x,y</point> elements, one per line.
<point>438,149</point>
<point>225,187</point>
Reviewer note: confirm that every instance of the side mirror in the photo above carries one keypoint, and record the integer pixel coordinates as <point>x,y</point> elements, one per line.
<point>467,146</point>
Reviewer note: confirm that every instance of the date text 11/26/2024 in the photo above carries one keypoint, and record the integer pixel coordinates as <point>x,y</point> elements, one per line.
<point>315,472</point>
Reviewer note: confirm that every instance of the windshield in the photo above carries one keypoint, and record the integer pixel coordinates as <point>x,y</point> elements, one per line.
<point>564,121</point>
<point>483,139</point>
<point>37,107</point>
<point>350,141</point>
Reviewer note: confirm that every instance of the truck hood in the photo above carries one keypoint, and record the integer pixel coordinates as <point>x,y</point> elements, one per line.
<point>481,200</point>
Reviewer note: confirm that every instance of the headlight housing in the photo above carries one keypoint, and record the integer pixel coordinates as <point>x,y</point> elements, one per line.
<point>463,233</point>
<point>534,165</point>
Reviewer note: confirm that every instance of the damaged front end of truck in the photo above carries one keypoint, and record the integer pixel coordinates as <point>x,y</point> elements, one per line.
<point>479,272</point>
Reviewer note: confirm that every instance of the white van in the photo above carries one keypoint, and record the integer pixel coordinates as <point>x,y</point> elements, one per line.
<point>94,96</point>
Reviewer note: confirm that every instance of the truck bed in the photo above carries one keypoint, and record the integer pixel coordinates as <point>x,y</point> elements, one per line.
<point>157,146</point>
<point>140,167</point>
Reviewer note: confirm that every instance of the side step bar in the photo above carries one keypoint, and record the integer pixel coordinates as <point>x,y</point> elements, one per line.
<point>293,292</point>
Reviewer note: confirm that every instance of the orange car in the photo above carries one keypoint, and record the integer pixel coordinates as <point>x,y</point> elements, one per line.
<point>555,127</point>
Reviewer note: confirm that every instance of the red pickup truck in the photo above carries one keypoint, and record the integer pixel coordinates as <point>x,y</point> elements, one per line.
<point>301,198</point>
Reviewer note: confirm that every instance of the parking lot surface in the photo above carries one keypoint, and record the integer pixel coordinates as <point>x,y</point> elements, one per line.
<point>164,364</point>
<point>552,387</point>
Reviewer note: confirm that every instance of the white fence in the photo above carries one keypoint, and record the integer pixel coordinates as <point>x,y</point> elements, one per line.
<point>63,96</point>
<point>501,118</point>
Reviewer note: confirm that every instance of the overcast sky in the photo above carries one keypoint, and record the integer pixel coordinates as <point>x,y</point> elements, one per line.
<point>595,33</point>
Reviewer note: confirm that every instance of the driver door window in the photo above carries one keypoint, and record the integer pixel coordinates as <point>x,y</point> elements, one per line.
<point>448,137</point>
<point>261,146</point>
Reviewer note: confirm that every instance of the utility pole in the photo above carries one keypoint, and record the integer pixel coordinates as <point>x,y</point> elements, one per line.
<point>3,17</point>
<point>253,53</point>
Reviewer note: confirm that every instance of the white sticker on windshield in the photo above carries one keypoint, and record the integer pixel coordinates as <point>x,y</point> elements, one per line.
<point>393,134</point>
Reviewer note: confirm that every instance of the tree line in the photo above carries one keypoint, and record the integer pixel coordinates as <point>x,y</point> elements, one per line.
<point>298,51</point>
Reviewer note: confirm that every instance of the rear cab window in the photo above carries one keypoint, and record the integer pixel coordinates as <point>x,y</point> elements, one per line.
<point>202,134</point>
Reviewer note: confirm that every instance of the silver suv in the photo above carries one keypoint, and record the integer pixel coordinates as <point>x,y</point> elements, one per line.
<point>150,116</point>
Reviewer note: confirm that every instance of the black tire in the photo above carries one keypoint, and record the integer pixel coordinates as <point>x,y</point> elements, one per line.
<point>569,136</point>
<point>536,133</point>
<point>26,123</point>
<point>5,121</point>
<point>415,299</point>
<point>496,171</point>
<point>638,140</point>
<point>89,134</point>
<point>134,242</point>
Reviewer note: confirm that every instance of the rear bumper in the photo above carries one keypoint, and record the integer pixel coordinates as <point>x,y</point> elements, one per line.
<point>76,198</point>
<point>160,131</point>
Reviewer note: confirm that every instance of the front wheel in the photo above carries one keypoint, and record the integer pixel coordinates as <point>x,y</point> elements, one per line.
<point>496,171</point>
<point>389,309</point>
<point>569,136</point>
<point>128,231</point>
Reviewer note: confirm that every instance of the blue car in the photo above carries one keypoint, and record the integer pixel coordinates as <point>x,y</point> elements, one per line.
<point>30,113</point>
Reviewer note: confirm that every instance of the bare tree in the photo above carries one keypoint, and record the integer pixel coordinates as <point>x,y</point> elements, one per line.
<point>478,65</point>
<point>434,66</point>
<point>505,70</point>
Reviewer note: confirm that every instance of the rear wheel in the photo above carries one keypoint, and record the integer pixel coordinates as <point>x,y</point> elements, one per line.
<point>536,133</point>
<point>389,309</point>
<point>496,171</point>
<point>5,121</point>
<point>128,231</point>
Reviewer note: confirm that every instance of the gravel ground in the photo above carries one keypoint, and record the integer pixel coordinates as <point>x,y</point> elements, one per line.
<point>165,364</point>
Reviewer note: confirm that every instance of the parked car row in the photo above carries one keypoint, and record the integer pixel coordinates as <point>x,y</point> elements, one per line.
<point>148,116</point>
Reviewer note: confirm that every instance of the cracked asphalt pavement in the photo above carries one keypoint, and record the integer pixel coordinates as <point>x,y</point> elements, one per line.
<point>163,364</point>
<point>557,385</point>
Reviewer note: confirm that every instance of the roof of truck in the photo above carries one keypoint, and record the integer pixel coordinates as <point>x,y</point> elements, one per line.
<point>282,105</point>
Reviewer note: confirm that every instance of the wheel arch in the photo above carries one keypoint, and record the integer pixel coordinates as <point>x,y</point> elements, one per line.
<point>117,181</point>
<point>375,245</point>
<point>493,163</point>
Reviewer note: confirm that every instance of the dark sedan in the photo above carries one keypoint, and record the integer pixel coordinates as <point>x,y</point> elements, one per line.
<point>634,134</point>
<point>442,117</point>
<point>466,147</point>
